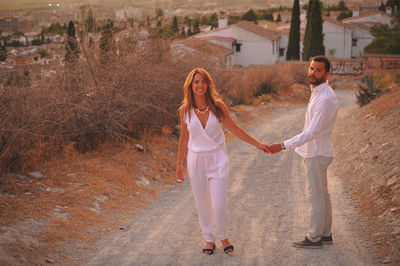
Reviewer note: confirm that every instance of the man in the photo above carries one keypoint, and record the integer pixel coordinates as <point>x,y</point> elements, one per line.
<point>314,145</point>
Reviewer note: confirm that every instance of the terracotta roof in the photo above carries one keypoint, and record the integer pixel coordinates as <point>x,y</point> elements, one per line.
<point>254,28</point>
<point>226,39</point>
<point>338,23</point>
<point>367,14</point>
<point>205,47</point>
<point>361,25</point>
<point>286,31</point>
<point>248,26</point>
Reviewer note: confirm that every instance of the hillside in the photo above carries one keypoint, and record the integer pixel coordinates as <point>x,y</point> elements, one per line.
<point>367,161</point>
<point>225,5</point>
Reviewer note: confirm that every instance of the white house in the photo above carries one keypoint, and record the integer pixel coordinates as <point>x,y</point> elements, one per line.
<point>337,38</point>
<point>370,19</point>
<point>19,38</point>
<point>345,40</point>
<point>55,38</point>
<point>250,43</point>
<point>361,37</point>
<point>340,40</point>
<point>128,12</point>
<point>222,56</point>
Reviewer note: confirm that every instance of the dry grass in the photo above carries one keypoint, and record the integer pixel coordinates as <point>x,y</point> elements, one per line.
<point>101,192</point>
<point>242,85</point>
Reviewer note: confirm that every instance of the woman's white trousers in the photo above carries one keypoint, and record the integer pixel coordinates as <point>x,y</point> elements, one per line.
<point>209,175</point>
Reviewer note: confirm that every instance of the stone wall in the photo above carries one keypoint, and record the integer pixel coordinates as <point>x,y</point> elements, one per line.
<point>367,63</point>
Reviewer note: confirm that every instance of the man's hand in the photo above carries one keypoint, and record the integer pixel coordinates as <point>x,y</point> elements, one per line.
<point>275,148</point>
<point>263,147</point>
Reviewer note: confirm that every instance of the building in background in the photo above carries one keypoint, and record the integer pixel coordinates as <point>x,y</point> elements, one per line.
<point>249,43</point>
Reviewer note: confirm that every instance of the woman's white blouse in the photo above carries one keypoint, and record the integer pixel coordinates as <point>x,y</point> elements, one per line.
<point>206,139</point>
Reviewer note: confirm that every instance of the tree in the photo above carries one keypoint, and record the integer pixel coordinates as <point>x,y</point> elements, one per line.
<point>159,13</point>
<point>382,7</point>
<point>234,19</point>
<point>387,38</point>
<point>344,14</point>
<point>307,34</point>
<point>265,14</point>
<point>71,45</point>
<point>250,16</point>
<point>3,51</point>
<point>183,32</point>
<point>16,43</point>
<point>43,52</point>
<point>175,25</point>
<point>293,51</point>
<point>279,19</point>
<point>107,39</point>
<point>188,21</point>
<point>314,38</point>
<point>196,27</point>
<point>37,42</point>
<point>71,29</point>
<point>90,42</point>
<point>90,22</point>
<point>342,6</point>
<point>214,20</point>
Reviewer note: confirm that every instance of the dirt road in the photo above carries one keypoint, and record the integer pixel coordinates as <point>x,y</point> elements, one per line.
<point>268,209</point>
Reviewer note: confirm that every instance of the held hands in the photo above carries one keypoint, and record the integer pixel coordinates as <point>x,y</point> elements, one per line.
<point>263,147</point>
<point>275,148</point>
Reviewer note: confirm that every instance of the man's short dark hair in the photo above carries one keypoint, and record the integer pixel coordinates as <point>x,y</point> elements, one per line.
<point>321,58</point>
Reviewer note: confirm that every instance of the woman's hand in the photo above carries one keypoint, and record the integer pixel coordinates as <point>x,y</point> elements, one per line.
<point>263,147</point>
<point>179,173</point>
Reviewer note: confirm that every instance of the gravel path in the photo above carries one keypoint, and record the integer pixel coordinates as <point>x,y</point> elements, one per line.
<point>268,209</point>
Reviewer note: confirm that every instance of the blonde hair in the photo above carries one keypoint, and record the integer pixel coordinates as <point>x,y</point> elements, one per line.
<point>212,96</point>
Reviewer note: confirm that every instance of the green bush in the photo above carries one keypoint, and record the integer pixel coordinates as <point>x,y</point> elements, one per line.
<point>367,91</point>
<point>265,97</point>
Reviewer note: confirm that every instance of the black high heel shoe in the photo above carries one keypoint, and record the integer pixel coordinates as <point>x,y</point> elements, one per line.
<point>209,251</point>
<point>228,250</point>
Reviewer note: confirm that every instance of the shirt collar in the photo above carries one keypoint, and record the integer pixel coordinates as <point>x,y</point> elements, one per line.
<point>319,87</point>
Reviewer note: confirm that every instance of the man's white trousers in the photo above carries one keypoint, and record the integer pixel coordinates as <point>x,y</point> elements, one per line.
<point>321,207</point>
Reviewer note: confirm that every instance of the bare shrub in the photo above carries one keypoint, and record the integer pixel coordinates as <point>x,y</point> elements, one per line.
<point>240,86</point>
<point>115,95</point>
<point>138,88</point>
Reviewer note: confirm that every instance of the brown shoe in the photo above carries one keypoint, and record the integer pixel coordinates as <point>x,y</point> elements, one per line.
<point>306,243</point>
<point>327,240</point>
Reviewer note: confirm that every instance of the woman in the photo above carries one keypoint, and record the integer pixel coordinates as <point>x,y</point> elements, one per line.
<point>202,115</point>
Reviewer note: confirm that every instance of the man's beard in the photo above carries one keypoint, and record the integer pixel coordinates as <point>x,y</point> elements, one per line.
<point>316,81</point>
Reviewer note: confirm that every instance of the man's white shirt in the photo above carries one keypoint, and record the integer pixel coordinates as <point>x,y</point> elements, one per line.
<point>320,120</point>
